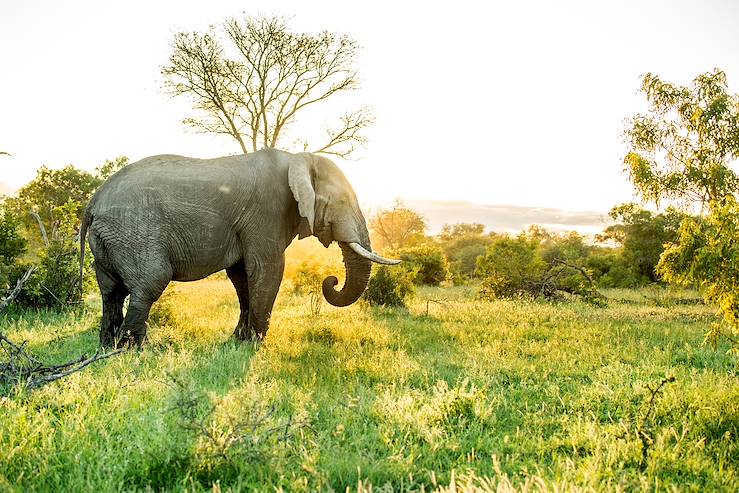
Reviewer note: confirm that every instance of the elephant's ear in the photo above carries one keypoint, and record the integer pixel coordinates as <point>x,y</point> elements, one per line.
<point>300,179</point>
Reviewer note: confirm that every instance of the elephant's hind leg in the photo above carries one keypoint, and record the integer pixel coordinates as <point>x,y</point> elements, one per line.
<point>112,314</point>
<point>237,274</point>
<point>142,297</point>
<point>113,293</point>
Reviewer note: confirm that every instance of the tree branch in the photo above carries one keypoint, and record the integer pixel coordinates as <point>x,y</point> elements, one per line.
<point>17,289</point>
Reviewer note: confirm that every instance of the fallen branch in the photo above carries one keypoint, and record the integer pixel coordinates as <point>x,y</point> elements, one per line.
<point>51,373</point>
<point>22,368</point>
<point>581,270</point>
<point>17,289</point>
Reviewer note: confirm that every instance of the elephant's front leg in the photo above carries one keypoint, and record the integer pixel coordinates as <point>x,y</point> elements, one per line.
<point>237,274</point>
<point>264,273</point>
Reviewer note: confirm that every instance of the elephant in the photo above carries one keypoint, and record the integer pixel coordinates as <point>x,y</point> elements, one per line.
<point>171,217</point>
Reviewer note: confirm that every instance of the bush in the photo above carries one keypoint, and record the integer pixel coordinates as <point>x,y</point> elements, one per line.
<point>537,264</point>
<point>463,244</point>
<point>308,280</point>
<point>706,255</point>
<point>463,258</point>
<point>55,284</point>
<point>428,264</point>
<point>12,246</point>
<point>389,286</point>
<point>642,235</point>
<point>612,270</point>
<point>511,267</point>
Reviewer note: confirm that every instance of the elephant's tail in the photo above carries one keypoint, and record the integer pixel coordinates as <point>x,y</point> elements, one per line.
<point>86,220</point>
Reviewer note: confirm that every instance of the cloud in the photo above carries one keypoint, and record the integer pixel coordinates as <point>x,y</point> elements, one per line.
<point>507,218</point>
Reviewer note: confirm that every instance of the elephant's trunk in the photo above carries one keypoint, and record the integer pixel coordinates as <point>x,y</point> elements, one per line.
<point>357,275</point>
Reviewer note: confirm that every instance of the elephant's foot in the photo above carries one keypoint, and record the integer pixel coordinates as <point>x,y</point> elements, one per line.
<point>130,339</point>
<point>247,334</point>
<point>107,338</point>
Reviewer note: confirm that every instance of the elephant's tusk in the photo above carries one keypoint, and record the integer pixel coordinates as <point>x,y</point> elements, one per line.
<point>372,255</point>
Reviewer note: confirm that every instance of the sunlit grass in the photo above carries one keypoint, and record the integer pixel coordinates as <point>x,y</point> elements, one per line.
<point>450,393</point>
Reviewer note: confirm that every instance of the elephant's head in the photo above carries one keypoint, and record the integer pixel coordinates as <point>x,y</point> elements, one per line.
<point>329,210</point>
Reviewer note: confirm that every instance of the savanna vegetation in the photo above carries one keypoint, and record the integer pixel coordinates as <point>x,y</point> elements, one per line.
<point>486,361</point>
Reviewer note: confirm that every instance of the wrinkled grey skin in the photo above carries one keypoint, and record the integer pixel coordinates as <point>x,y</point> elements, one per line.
<point>170,218</point>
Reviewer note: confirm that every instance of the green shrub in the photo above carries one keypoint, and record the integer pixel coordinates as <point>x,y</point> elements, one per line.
<point>308,280</point>
<point>463,244</point>
<point>308,277</point>
<point>511,267</point>
<point>537,264</point>
<point>389,286</point>
<point>463,258</point>
<point>12,246</point>
<point>428,264</point>
<point>706,255</point>
<point>612,270</point>
<point>55,284</point>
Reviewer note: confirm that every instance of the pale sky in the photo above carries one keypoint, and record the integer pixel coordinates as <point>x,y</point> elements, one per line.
<point>518,103</point>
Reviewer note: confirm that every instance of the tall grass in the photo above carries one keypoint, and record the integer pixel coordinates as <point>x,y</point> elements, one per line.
<point>453,394</point>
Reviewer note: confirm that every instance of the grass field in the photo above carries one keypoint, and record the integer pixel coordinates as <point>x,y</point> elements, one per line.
<point>457,395</point>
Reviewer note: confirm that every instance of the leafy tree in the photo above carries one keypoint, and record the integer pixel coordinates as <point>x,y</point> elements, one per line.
<point>706,255</point>
<point>49,190</point>
<point>251,79</point>
<point>110,166</point>
<point>569,247</point>
<point>427,262</point>
<point>642,235</point>
<point>12,246</point>
<point>463,243</point>
<point>451,232</point>
<point>38,200</point>
<point>610,270</point>
<point>398,227</point>
<point>538,233</point>
<point>682,149</point>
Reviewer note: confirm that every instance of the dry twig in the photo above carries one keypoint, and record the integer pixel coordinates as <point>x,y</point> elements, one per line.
<point>17,289</point>
<point>247,437</point>
<point>643,430</point>
<point>20,367</point>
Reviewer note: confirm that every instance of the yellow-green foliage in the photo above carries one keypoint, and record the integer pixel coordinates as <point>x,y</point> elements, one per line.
<point>427,262</point>
<point>469,396</point>
<point>706,255</point>
<point>390,286</point>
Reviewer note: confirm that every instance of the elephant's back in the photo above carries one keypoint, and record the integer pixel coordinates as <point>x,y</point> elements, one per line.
<point>164,177</point>
<point>176,182</point>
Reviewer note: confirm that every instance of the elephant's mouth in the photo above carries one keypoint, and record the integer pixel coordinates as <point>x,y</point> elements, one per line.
<point>324,235</point>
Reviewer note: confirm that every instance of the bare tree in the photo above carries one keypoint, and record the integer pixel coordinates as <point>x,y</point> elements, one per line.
<point>253,86</point>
